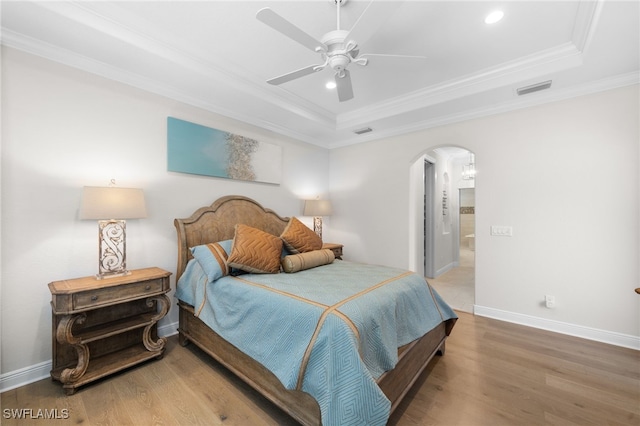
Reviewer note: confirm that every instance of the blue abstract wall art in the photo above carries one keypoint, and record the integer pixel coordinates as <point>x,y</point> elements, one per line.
<point>201,150</point>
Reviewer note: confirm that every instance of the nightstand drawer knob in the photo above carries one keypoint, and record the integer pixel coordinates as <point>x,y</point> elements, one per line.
<point>147,288</point>
<point>94,298</point>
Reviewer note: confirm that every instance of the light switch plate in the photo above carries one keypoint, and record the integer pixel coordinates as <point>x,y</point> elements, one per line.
<point>501,231</point>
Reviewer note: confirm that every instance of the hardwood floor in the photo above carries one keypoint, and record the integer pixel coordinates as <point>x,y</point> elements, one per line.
<point>493,373</point>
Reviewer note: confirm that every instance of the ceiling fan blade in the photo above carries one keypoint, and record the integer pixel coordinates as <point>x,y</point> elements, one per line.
<point>294,74</point>
<point>285,27</point>
<point>395,60</point>
<point>371,19</point>
<point>343,86</point>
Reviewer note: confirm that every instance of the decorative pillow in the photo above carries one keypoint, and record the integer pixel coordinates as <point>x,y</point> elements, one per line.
<point>308,260</point>
<point>298,238</point>
<point>255,251</point>
<point>213,258</point>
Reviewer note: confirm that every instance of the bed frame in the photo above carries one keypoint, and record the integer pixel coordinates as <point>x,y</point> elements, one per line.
<point>216,223</point>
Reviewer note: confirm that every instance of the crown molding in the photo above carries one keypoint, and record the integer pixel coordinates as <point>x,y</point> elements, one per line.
<point>74,60</point>
<point>586,23</point>
<point>100,21</point>
<point>558,58</point>
<point>542,63</point>
<point>324,128</point>
<point>532,100</point>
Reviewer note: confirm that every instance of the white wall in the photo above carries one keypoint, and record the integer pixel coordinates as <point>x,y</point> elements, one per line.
<point>63,129</point>
<point>563,175</point>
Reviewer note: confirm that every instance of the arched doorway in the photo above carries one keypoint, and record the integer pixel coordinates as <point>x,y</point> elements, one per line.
<point>442,222</point>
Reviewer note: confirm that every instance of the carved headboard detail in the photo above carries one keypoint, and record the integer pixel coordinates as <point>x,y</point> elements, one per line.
<point>217,223</point>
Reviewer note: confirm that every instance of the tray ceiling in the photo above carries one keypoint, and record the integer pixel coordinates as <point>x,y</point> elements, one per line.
<point>218,56</point>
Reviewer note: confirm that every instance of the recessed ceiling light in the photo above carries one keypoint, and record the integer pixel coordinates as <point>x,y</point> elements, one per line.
<point>330,85</point>
<point>494,17</point>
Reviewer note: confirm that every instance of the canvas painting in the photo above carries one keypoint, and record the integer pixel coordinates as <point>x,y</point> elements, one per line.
<point>201,150</point>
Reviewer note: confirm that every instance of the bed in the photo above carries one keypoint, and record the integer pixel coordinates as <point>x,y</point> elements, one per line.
<point>289,384</point>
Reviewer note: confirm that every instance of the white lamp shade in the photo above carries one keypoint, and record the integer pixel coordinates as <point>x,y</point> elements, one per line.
<point>112,203</point>
<point>317,208</point>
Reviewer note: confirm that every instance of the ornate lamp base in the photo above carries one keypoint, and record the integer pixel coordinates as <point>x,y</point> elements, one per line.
<point>112,249</point>
<point>317,225</point>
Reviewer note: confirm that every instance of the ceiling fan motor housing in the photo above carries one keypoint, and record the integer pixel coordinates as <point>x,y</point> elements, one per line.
<point>338,55</point>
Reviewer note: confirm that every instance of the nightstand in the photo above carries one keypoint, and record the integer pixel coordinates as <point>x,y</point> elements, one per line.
<point>104,326</point>
<point>335,248</point>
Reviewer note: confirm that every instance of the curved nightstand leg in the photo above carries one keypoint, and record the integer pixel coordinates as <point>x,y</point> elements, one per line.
<point>158,345</point>
<point>64,335</point>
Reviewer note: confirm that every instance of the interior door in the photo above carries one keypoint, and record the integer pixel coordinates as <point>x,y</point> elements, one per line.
<point>429,218</point>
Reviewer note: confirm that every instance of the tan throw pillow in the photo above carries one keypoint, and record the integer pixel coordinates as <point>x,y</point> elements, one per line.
<point>308,260</point>
<point>255,251</point>
<point>298,238</point>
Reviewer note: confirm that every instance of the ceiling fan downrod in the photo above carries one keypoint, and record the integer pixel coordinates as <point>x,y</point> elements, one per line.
<point>338,4</point>
<point>340,52</point>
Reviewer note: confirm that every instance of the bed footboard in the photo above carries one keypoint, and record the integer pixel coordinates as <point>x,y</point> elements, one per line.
<point>412,360</point>
<point>299,405</point>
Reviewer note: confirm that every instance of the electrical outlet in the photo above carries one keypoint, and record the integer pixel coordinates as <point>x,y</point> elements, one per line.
<point>501,231</point>
<point>550,301</point>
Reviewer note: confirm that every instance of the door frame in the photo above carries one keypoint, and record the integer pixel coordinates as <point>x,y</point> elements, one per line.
<point>428,214</point>
<point>416,213</point>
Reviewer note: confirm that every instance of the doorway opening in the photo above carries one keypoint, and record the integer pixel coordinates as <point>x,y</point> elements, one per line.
<point>457,285</point>
<point>444,247</point>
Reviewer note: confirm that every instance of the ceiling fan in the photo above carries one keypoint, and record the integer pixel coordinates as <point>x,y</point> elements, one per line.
<point>337,48</point>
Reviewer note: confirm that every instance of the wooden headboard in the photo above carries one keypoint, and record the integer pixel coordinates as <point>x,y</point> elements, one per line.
<point>217,223</point>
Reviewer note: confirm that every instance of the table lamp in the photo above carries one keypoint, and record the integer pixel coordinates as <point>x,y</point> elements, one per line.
<point>317,209</point>
<point>111,205</point>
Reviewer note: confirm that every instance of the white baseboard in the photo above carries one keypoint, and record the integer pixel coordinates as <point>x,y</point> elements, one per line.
<point>610,337</point>
<point>24,376</point>
<point>33,373</point>
<point>167,330</point>
<point>447,268</point>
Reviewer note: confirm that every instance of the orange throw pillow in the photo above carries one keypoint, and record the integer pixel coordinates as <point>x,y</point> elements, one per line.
<point>255,251</point>
<point>298,238</point>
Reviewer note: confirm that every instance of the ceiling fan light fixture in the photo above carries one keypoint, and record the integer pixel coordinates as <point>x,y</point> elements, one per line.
<point>494,17</point>
<point>330,85</point>
<point>339,63</point>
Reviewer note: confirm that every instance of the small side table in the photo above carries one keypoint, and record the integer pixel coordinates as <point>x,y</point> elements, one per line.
<point>335,248</point>
<point>104,326</point>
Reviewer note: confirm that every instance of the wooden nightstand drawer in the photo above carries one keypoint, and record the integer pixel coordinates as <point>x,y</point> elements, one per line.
<point>81,294</point>
<point>96,298</point>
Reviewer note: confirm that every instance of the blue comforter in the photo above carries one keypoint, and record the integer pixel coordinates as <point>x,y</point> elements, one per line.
<point>330,331</point>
